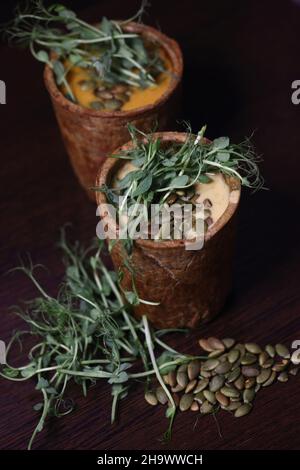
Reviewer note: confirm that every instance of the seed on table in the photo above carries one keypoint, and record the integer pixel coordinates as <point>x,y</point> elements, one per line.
<point>283,377</point>
<point>194,406</point>
<point>241,348</point>
<point>199,397</point>
<point>113,105</point>
<point>223,368</point>
<point>203,343</point>
<point>150,398</point>
<point>228,342</point>
<point>161,395</point>
<point>216,353</point>
<point>207,203</point>
<point>270,380</point>
<point>253,348</point>
<point>293,370</point>
<point>263,376</point>
<point>263,357</point>
<point>210,396</point>
<point>270,350</point>
<point>178,388</point>
<point>216,383</point>
<point>182,368</point>
<point>206,408</point>
<point>202,384</point>
<point>209,365</point>
<point>234,405</point>
<point>280,366</point>
<point>193,369</point>
<point>233,355</point>
<point>186,401</point>
<point>86,85</point>
<point>182,379</point>
<point>282,351</point>
<point>248,359</point>
<point>230,392</point>
<point>215,343</point>
<point>243,410</point>
<point>209,221</point>
<point>224,401</point>
<point>269,363</point>
<point>248,395</point>
<point>205,374</point>
<point>250,382</point>
<point>239,383</point>
<point>166,379</point>
<point>191,385</point>
<point>257,388</point>
<point>97,105</point>
<point>233,375</point>
<point>172,378</point>
<point>250,371</point>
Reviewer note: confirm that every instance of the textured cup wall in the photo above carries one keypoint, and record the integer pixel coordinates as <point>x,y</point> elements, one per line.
<point>90,136</point>
<point>191,286</point>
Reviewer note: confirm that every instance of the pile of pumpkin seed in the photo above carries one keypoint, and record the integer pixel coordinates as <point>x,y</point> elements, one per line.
<point>181,197</point>
<point>108,97</point>
<point>229,378</point>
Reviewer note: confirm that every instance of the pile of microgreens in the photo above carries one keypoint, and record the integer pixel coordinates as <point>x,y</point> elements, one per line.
<point>162,169</point>
<point>57,37</point>
<point>87,333</point>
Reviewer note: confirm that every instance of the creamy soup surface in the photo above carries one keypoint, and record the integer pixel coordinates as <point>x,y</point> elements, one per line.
<point>216,191</point>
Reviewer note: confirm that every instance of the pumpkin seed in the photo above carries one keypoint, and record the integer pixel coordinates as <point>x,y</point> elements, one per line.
<point>209,221</point>
<point>263,357</point>
<point>234,405</point>
<point>233,355</point>
<point>207,203</point>
<point>223,368</point>
<point>97,105</point>
<point>233,375</point>
<point>243,410</point>
<point>269,363</point>
<point>119,88</point>
<point>248,359</point>
<point>86,85</point>
<point>270,380</point>
<point>194,406</point>
<point>172,378</point>
<point>228,342</point>
<point>199,397</point>
<point>263,376</point>
<point>215,343</point>
<point>104,94</point>
<point>216,383</point>
<point>182,368</point>
<point>166,379</point>
<point>270,350</point>
<point>206,408</point>
<point>257,388</point>
<point>177,388</point>
<point>230,392</point>
<point>186,401</point>
<point>253,348</point>
<point>150,398</point>
<point>215,353</point>
<point>202,384</point>
<point>283,377</point>
<point>239,383</point>
<point>250,382</point>
<point>250,371</point>
<point>161,395</point>
<point>182,379</point>
<point>280,366</point>
<point>210,396</point>
<point>282,351</point>
<point>204,344</point>
<point>205,374</point>
<point>193,369</point>
<point>209,365</point>
<point>241,348</point>
<point>248,395</point>
<point>191,385</point>
<point>224,401</point>
<point>113,105</point>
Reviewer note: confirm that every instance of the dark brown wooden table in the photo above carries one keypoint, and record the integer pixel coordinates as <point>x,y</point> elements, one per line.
<point>240,61</point>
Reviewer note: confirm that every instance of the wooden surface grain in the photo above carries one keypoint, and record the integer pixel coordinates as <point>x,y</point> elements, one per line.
<point>240,61</point>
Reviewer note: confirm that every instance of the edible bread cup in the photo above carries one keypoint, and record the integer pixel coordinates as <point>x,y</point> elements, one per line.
<point>190,286</point>
<point>90,136</point>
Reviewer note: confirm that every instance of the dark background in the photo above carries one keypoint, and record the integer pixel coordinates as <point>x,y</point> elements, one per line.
<point>240,60</point>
